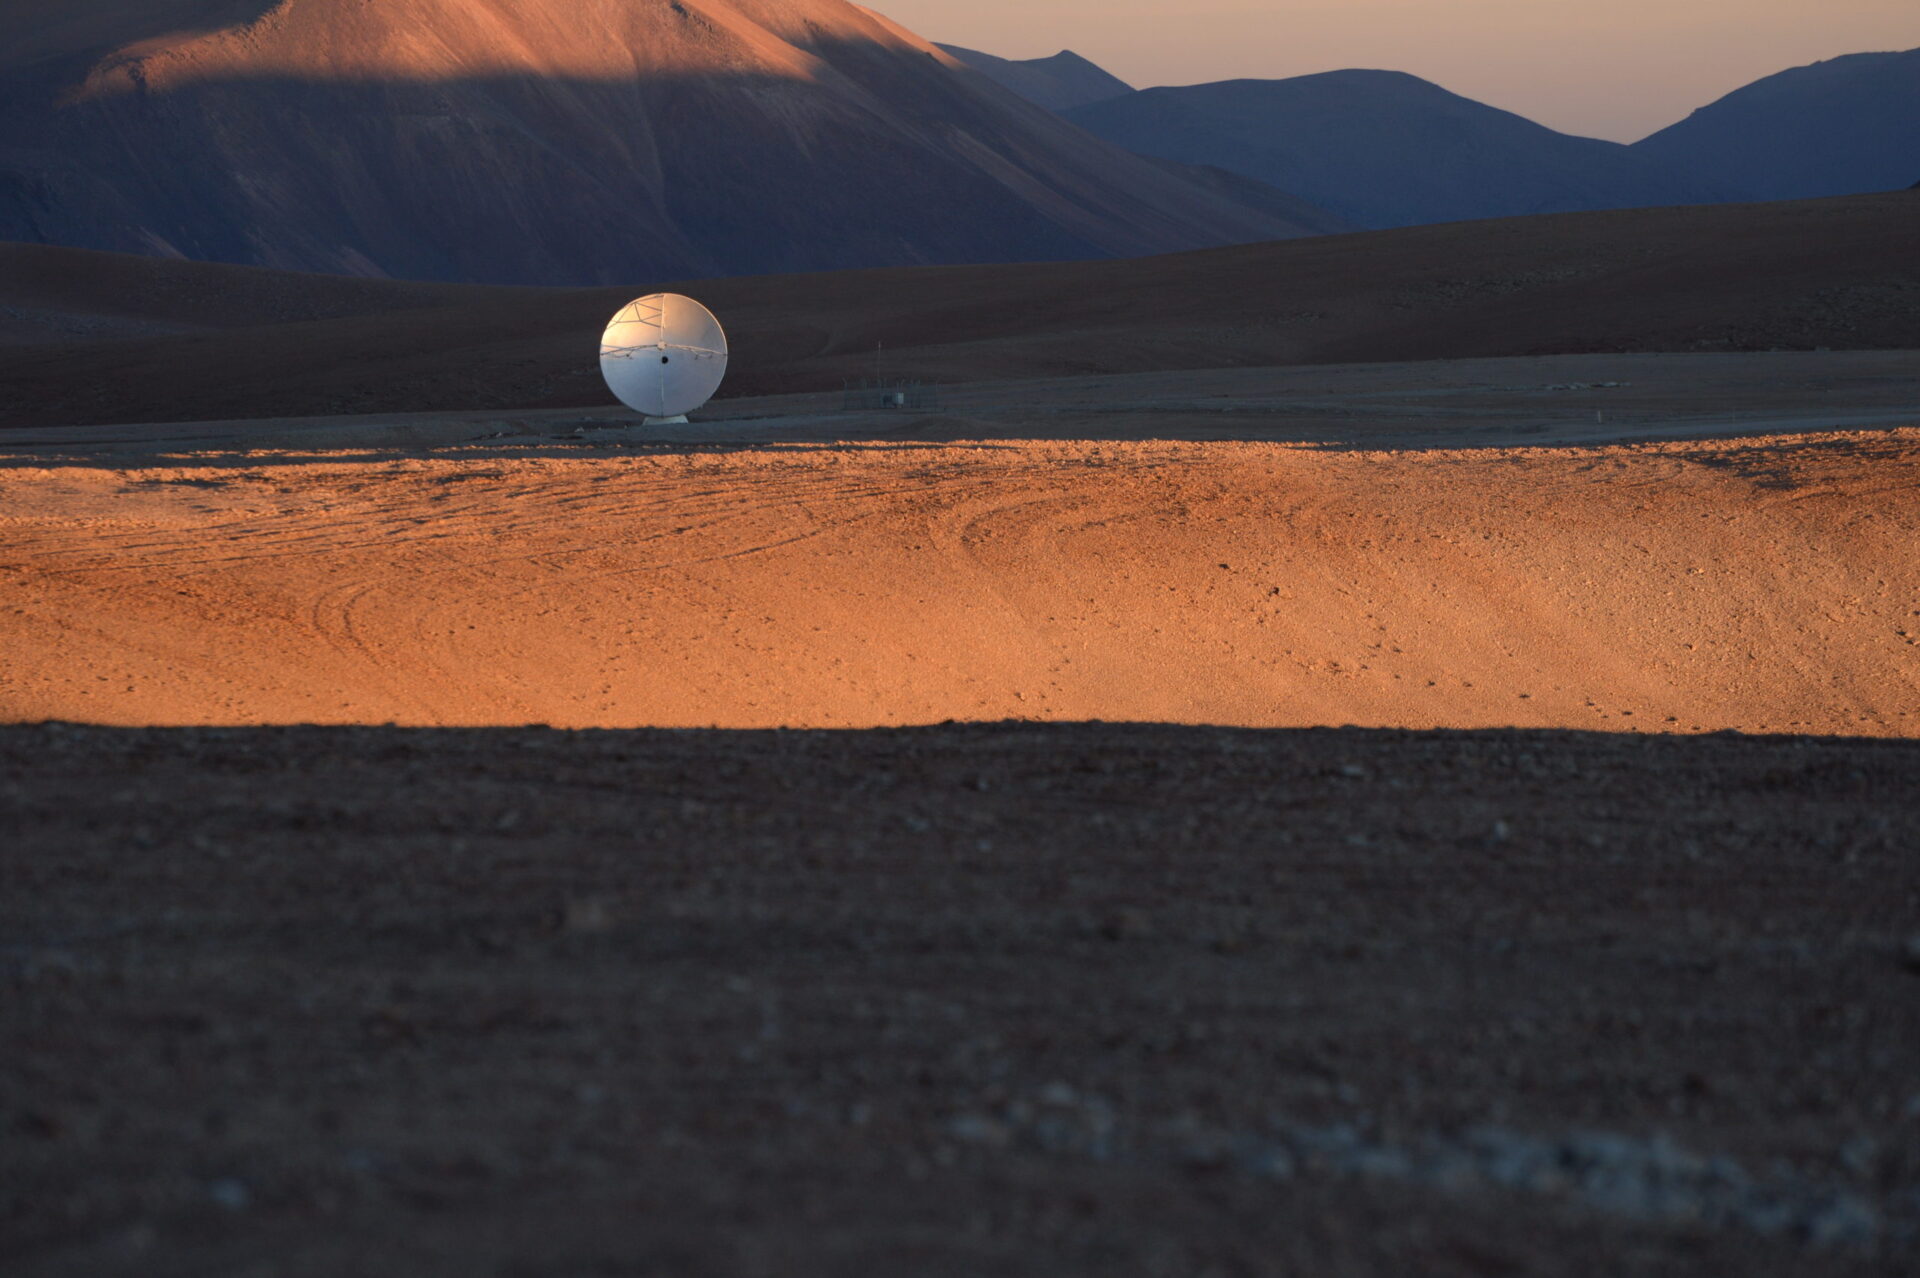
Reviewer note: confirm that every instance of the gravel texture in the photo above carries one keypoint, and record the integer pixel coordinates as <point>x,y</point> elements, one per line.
<point>1011,999</point>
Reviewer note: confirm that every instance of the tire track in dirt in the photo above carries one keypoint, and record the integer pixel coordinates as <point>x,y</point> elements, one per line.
<point>1675,587</point>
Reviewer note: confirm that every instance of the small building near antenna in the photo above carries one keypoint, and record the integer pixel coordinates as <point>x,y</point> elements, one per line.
<point>882,391</point>
<point>867,394</point>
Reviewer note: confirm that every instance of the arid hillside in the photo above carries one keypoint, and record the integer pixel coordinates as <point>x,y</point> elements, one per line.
<point>1831,128</point>
<point>560,142</point>
<point>1059,83</point>
<point>1384,148</point>
<point>94,338</point>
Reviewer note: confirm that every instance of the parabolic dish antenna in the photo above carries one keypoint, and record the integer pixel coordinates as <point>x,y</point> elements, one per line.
<point>663,355</point>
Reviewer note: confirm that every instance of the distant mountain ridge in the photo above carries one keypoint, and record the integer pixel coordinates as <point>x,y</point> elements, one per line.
<point>1386,149</point>
<point>1846,126</point>
<point>1059,83</point>
<point>556,142</point>
<point>1382,148</point>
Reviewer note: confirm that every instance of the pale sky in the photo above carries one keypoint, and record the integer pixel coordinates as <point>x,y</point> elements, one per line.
<point>1604,68</point>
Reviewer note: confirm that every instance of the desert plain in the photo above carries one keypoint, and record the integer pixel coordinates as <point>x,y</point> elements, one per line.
<point>1292,750</point>
<point>1452,817</point>
<point>1631,543</point>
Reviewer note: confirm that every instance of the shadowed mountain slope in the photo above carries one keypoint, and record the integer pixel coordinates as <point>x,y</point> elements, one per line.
<point>1060,83</point>
<point>542,142</point>
<point>1843,273</point>
<point>1385,149</point>
<point>1838,127</point>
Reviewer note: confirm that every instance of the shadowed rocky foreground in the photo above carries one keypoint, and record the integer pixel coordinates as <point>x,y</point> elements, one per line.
<point>1012,999</point>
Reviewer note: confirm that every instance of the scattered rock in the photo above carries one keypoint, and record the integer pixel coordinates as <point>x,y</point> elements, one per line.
<point>230,1193</point>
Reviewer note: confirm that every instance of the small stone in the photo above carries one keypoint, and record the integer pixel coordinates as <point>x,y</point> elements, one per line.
<point>1859,1155</point>
<point>1379,1162</point>
<point>230,1193</point>
<point>1272,1163</point>
<point>1059,1094</point>
<point>1847,1220</point>
<point>589,915</point>
<point>977,1129</point>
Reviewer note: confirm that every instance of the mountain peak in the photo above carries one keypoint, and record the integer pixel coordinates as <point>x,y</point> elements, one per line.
<point>1848,125</point>
<point>422,41</point>
<point>557,142</point>
<point>1385,149</point>
<point>1059,83</point>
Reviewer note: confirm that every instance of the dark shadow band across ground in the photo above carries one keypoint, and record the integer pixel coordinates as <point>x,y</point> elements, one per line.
<point>1448,405</point>
<point>1010,998</point>
<point>123,339</point>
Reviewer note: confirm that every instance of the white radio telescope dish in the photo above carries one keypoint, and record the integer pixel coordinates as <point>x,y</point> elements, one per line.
<point>663,355</point>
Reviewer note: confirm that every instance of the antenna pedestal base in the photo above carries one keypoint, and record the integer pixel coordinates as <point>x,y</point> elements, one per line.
<point>681,420</point>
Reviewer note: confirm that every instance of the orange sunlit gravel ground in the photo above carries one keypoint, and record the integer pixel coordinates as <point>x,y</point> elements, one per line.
<point>1758,585</point>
